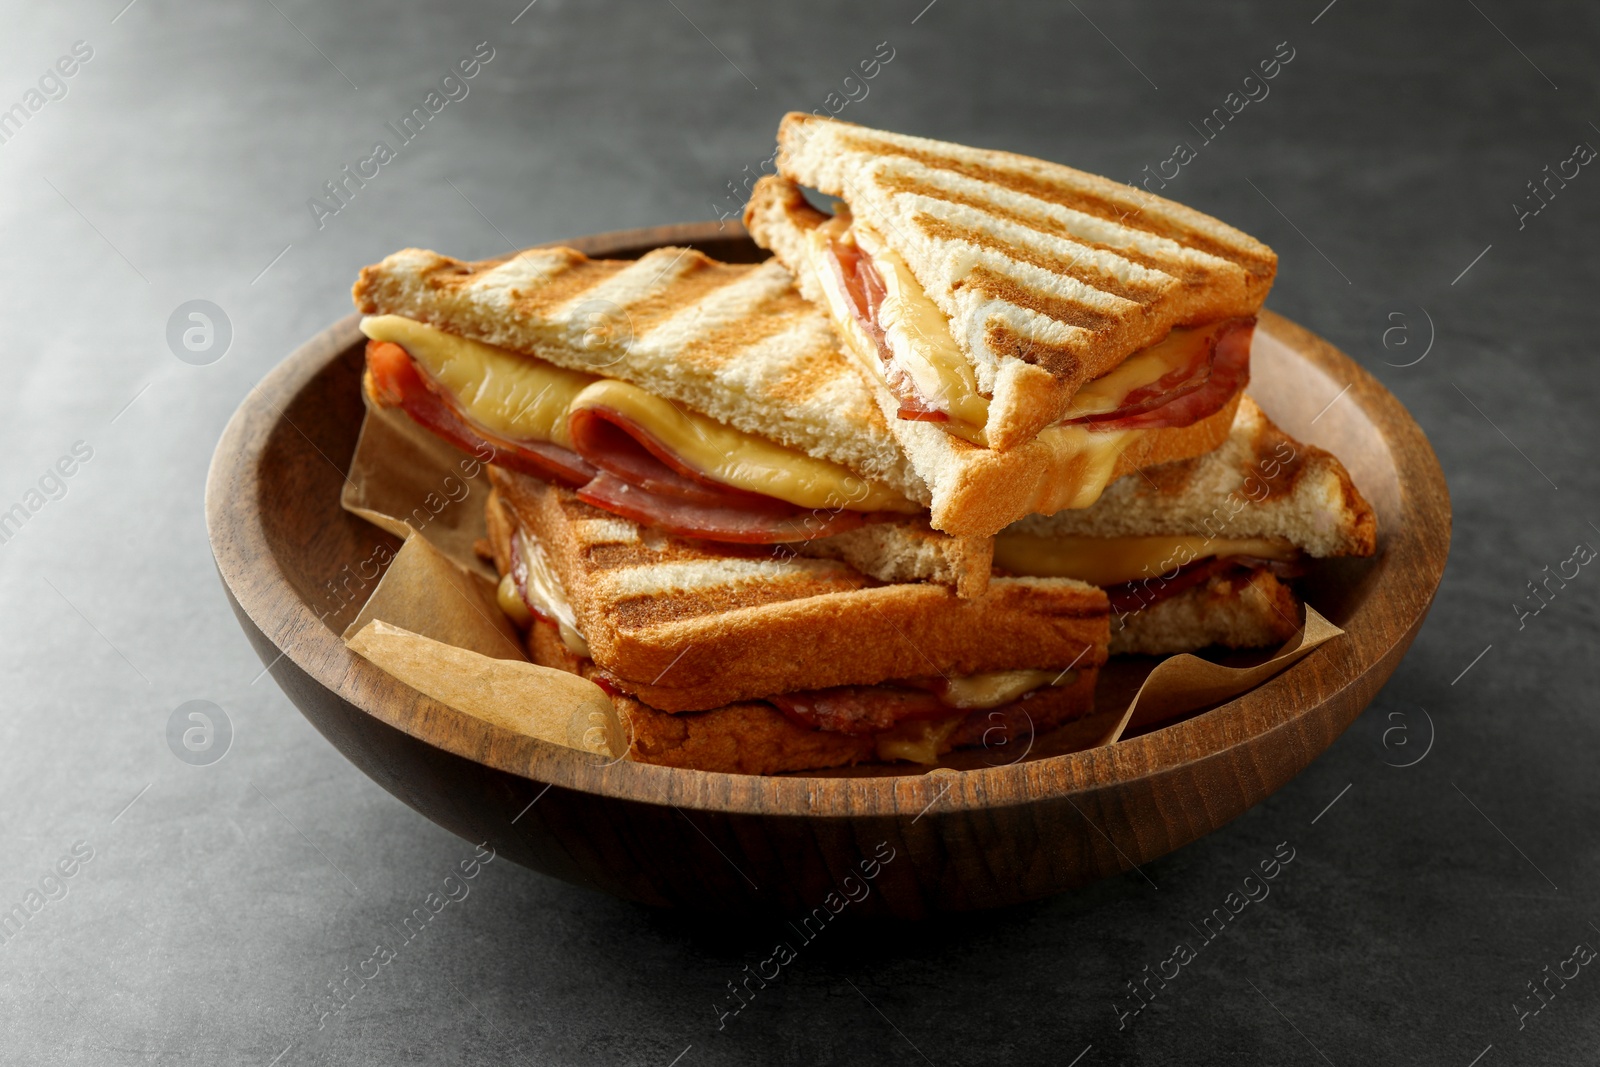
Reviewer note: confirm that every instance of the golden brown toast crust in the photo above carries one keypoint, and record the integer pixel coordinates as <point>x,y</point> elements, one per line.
<point>1034,262</point>
<point>686,625</point>
<point>732,341</point>
<point>1259,483</point>
<point>990,490</point>
<point>976,491</point>
<point>752,737</point>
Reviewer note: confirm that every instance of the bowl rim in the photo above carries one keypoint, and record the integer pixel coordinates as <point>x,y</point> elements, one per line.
<point>1412,554</point>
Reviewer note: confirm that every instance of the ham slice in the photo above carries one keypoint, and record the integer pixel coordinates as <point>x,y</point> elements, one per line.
<point>397,381</point>
<point>1132,596</point>
<point>738,523</point>
<point>618,466</point>
<point>641,479</point>
<point>862,709</point>
<point>1188,394</point>
<point>614,443</point>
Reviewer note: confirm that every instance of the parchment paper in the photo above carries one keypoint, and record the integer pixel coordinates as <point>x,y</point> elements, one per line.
<point>1185,682</point>
<point>402,479</point>
<point>432,621</point>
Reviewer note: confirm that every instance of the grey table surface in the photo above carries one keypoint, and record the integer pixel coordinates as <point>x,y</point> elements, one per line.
<point>210,907</point>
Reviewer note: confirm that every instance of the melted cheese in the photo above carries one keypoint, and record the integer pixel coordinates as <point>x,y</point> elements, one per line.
<point>511,602</point>
<point>919,742</point>
<point>1085,460</point>
<point>545,592</point>
<point>1110,391</point>
<point>741,460</point>
<point>919,335</point>
<point>1108,561</point>
<point>523,398</point>
<point>923,345</point>
<point>922,740</point>
<point>515,396</point>
<point>990,690</point>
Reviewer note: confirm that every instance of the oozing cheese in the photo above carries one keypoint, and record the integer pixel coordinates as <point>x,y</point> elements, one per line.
<point>515,396</point>
<point>919,335</point>
<point>739,459</point>
<point>544,590</point>
<point>1085,459</point>
<point>1110,391</point>
<point>1108,561</point>
<point>990,690</point>
<point>523,398</point>
<point>919,741</point>
<point>511,602</point>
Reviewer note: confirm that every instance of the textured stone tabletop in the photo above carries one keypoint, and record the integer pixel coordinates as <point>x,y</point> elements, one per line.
<point>1444,851</point>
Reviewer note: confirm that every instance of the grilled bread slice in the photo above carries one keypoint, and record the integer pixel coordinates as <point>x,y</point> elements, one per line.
<point>1262,500</point>
<point>753,737</point>
<point>1259,483</point>
<point>689,626</point>
<point>732,342</point>
<point>975,491</point>
<point>1048,276</point>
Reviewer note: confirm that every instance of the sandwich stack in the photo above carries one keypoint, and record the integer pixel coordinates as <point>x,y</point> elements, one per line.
<point>899,488</point>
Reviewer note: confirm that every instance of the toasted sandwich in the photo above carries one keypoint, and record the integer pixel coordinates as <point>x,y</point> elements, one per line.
<point>702,399</point>
<point>738,659</point>
<point>1031,332</point>
<point>1196,552</point>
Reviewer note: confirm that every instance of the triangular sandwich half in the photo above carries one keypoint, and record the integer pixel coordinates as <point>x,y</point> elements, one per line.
<point>1003,304</point>
<point>751,660</point>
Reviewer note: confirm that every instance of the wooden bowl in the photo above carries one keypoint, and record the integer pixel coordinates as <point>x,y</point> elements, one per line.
<point>723,842</point>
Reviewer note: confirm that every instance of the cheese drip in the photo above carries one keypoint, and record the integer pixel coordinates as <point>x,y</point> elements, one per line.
<point>916,742</point>
<point>545,593</point>
<point>990,690</point>
<point>1106,561</point>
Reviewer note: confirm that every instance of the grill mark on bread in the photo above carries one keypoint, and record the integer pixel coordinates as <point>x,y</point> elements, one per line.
<point>1260,454</point>
<point>1101,207</point>
<point>812,372</point>
<point>681,290</point>
<point>646,615</point>
<point>723,345</point>
<point>1061,361</point>
<point>1086,272</point>
<point>840,423</point>
<point>997,286</point>
<point>641,614</point>
<point>579,277</point>
<point>1184,272</point>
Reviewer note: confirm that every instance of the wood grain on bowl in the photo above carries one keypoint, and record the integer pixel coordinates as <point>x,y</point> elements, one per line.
<point>297,569</point>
